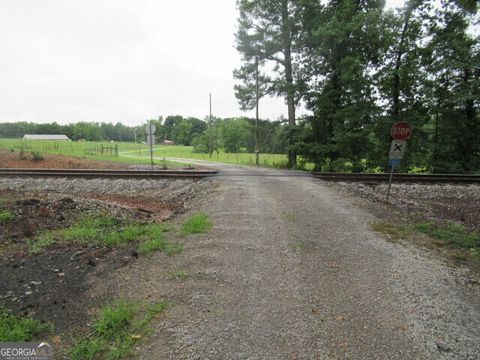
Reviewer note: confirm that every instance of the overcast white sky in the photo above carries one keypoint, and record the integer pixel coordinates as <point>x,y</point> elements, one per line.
<point>119,61</point>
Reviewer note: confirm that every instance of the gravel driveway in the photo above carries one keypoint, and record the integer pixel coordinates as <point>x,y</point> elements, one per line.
<point>292,270</point>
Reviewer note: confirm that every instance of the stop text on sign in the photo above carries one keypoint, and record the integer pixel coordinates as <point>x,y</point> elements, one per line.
<point>401,130</point>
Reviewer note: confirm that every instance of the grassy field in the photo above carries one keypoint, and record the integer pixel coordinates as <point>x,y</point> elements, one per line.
<point>137,153</point>
<point>86,150</point>
<point>186,152</point>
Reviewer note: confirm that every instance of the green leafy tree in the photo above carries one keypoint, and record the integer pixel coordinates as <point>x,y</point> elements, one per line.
<point>269,31</point>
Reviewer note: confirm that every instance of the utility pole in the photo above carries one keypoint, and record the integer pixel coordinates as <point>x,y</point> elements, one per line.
<point>210,125</point>
<point>257,99</point>
<point>152,139</point>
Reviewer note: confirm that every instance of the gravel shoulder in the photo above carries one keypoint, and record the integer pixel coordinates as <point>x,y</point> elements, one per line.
<point>292,270</point>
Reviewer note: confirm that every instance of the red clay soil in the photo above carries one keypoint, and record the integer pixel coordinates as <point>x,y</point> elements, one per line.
<point>51,161</point>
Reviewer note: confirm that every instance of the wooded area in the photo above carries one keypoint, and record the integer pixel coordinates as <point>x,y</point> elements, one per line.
<point>359,69</point>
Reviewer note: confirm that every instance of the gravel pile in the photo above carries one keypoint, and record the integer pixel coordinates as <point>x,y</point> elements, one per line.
<point>163,190</point>
<point>460,203</point>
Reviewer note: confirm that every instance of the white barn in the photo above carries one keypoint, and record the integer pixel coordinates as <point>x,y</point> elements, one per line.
<point>46,137</point>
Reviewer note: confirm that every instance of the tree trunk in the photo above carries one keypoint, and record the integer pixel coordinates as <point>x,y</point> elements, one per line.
<point>470,139</point>
<point>290,89</point>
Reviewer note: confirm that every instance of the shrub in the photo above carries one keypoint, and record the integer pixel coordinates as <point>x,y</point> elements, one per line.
<point>36,156</point>
<point>21,155</point>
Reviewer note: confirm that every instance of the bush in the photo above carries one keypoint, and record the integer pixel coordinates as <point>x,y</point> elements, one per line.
<point>36,156</point>
<point>21,155</point>
<point>200,148</point>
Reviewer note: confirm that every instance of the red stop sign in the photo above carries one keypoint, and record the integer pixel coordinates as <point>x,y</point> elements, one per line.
<point>401,130</point>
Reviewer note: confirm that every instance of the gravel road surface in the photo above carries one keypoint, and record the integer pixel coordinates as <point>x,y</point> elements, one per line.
<point>292,270</point>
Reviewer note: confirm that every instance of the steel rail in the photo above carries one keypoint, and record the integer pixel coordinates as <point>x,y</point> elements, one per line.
<point>399,177</point>
<point>97,173</point>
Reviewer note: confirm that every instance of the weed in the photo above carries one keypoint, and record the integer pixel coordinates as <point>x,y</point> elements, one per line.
<point>197,224</point>
<point>179,275</point>
<point>297,245</point>
<point>451,233</point>
<point>21,154</point>
<point>453,240</point>
<point>393,231</point>
<point>151,245</point>
<point>13,328</point>
<point>116,332</point>
<point>171,249</point>
<point>289,216</point>
<point>43,241</point>
<point>99,231</point>
<point>36,156</point>
<point>5,216</point>
<point>114,319</point>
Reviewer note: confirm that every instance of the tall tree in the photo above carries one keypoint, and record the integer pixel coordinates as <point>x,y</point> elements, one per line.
<point>269,30</point>
<point>453,62</point>
<point>343,45</point>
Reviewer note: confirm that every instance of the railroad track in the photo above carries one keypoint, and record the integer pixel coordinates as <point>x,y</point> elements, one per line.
<point>415,178</point>
<point>94,173</point>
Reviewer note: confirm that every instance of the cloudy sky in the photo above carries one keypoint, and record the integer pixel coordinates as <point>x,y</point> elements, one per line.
<point>119,60</point>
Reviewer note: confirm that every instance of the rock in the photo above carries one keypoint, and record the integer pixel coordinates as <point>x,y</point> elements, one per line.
<point>443,346</point>
<point>28,293</point>
<point>29,202</point>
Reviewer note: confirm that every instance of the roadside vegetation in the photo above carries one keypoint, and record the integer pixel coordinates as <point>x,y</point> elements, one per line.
<point>179,275</point>
<point>117,330</point>
<point>455,240</point>
<point>13,328</point>
<point>6,215</point>
<point>106,231</point>
<point>197,224</point>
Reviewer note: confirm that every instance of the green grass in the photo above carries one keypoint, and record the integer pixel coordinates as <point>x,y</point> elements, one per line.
<point>393,231</point>
<point>453,240</point>
<point>197,224</point>
<point>14,328</point>
<point>6,216</point>
<point>116,332</point>
<point>179,275</point>
<point>83,149</point>
<point>269,160</point>
<point>297,245</point>
<point>453,234</point>
<point>140,154</point>
<point>104,231</point>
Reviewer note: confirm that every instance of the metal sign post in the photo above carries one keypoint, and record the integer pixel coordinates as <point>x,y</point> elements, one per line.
<point>150,130</point>
<point>400,132</point>
<point>393,163</point>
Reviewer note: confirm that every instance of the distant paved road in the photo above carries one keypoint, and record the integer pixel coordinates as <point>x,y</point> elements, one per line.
<point>292,270</point>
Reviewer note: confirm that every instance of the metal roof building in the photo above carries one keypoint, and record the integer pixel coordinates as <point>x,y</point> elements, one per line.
<point>46,137</point>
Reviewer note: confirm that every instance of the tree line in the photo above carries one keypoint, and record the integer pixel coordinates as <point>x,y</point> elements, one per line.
<point>206,136</point>
<point>358,69</point>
